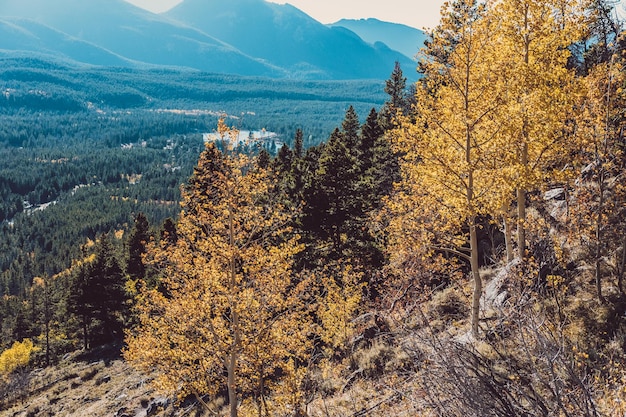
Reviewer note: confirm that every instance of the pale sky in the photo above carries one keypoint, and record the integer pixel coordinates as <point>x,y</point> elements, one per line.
<point>417,13</point>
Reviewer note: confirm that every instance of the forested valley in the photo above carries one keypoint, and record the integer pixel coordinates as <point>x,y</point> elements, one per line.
<point>452,248</point>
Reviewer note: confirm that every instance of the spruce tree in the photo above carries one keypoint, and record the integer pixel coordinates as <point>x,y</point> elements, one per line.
<point>139,238</point>
<point>98,295</point>
<point>380,167</point>
<point>298,144</point>
<point>397,103</point>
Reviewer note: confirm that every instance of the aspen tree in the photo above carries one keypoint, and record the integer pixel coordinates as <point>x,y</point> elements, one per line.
<point>532,54</point>
<point>446,182</point>
<point>599,195</point>
<point>229,315</point>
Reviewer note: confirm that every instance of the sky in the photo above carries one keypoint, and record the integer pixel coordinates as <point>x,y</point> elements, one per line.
<point>417,13</point>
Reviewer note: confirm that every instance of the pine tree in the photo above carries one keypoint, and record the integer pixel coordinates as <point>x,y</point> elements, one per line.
<point>379,163</point>
<point>43,291</point>
<point>98,295</point>
<point>264,159</point>
<point>168,231</point>
<point>137,242</point>
<point>298,144</point>
<point>339,205</point>
<point>397,103</point>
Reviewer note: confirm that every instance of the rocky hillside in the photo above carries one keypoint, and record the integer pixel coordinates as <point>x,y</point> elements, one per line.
<point>99,383</point>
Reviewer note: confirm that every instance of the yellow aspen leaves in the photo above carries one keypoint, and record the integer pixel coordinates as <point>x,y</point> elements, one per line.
<point>16,357</point>
<point>229,313</point>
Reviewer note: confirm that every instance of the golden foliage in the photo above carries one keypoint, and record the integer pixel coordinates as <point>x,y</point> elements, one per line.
<point>16,357</point>
<point>342,298</point>
<point>230,303</point>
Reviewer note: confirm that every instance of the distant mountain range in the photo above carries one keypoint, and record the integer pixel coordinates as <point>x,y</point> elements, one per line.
<point>244,37</point>
<point>401,38</point>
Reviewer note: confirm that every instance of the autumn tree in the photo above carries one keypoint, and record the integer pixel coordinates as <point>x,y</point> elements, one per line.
<point>532,55</point>
<point>446,182</point>
<point>233,316</point>
<point>599,194</point>
<point>14,377</point>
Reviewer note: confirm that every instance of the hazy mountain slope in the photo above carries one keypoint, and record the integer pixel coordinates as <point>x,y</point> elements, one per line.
<point>137,34</point>
<point>27,35</point>
<point>399,37</point>
<point>244,37</point>
<point>287,37</point>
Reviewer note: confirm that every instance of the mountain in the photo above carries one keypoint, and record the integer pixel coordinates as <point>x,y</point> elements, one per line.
<point>123,30</point>
<point>242,37</point>
<point>27,35</point>
<point>289,38</point>
<point>399,37</point>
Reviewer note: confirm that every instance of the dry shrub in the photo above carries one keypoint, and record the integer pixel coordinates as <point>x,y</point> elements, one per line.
<point>531,370</point>
<point>380,359</point>
<point>448,306</point>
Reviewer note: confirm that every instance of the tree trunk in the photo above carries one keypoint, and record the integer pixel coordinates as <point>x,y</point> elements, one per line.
<point>620,271</point>
<point>232,365</point>
<point>478,284</point>
<point>232,385</point>
<point>521,190</point>
<point>85,342</point>
<point>599,236</point>
<point>521,220</point>
<point>508,238</point>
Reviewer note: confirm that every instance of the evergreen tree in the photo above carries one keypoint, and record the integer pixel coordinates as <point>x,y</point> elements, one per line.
<point>168,231</point>
<point>264,159</point>
<point>380,166</point>
<point>137,241</point>
<point>298,144</point>
<point>98,296</point>
<point>350,131</point>
<point>338,180</point>
<point>397,103</point>
<point>284,159</point>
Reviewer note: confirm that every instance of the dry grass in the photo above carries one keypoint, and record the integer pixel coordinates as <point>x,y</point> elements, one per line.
<point>82,386</point>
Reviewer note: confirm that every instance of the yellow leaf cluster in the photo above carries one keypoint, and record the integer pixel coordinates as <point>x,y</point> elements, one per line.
<point>16,357</point>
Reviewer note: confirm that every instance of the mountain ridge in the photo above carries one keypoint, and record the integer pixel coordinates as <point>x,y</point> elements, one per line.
<point>405,39</point>
<point>243,37</point>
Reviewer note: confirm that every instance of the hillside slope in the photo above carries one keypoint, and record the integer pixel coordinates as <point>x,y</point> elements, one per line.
<point>132,33</point>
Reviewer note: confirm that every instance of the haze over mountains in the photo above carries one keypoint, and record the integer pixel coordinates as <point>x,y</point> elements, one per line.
<point>244,37</point>
<point>401,38</point>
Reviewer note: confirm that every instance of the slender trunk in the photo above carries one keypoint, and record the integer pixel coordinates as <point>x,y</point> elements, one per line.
<point>232,360</point>
<point>521,190</point>
<point>478,284</point>
<point>46,301</point>
<point>232,388</point>
<point>599,237</point>
<point>47,342</point>
<point>620,272</point>
<point>508,238</point>
<point>521,219</point>
<point>85,343</point>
